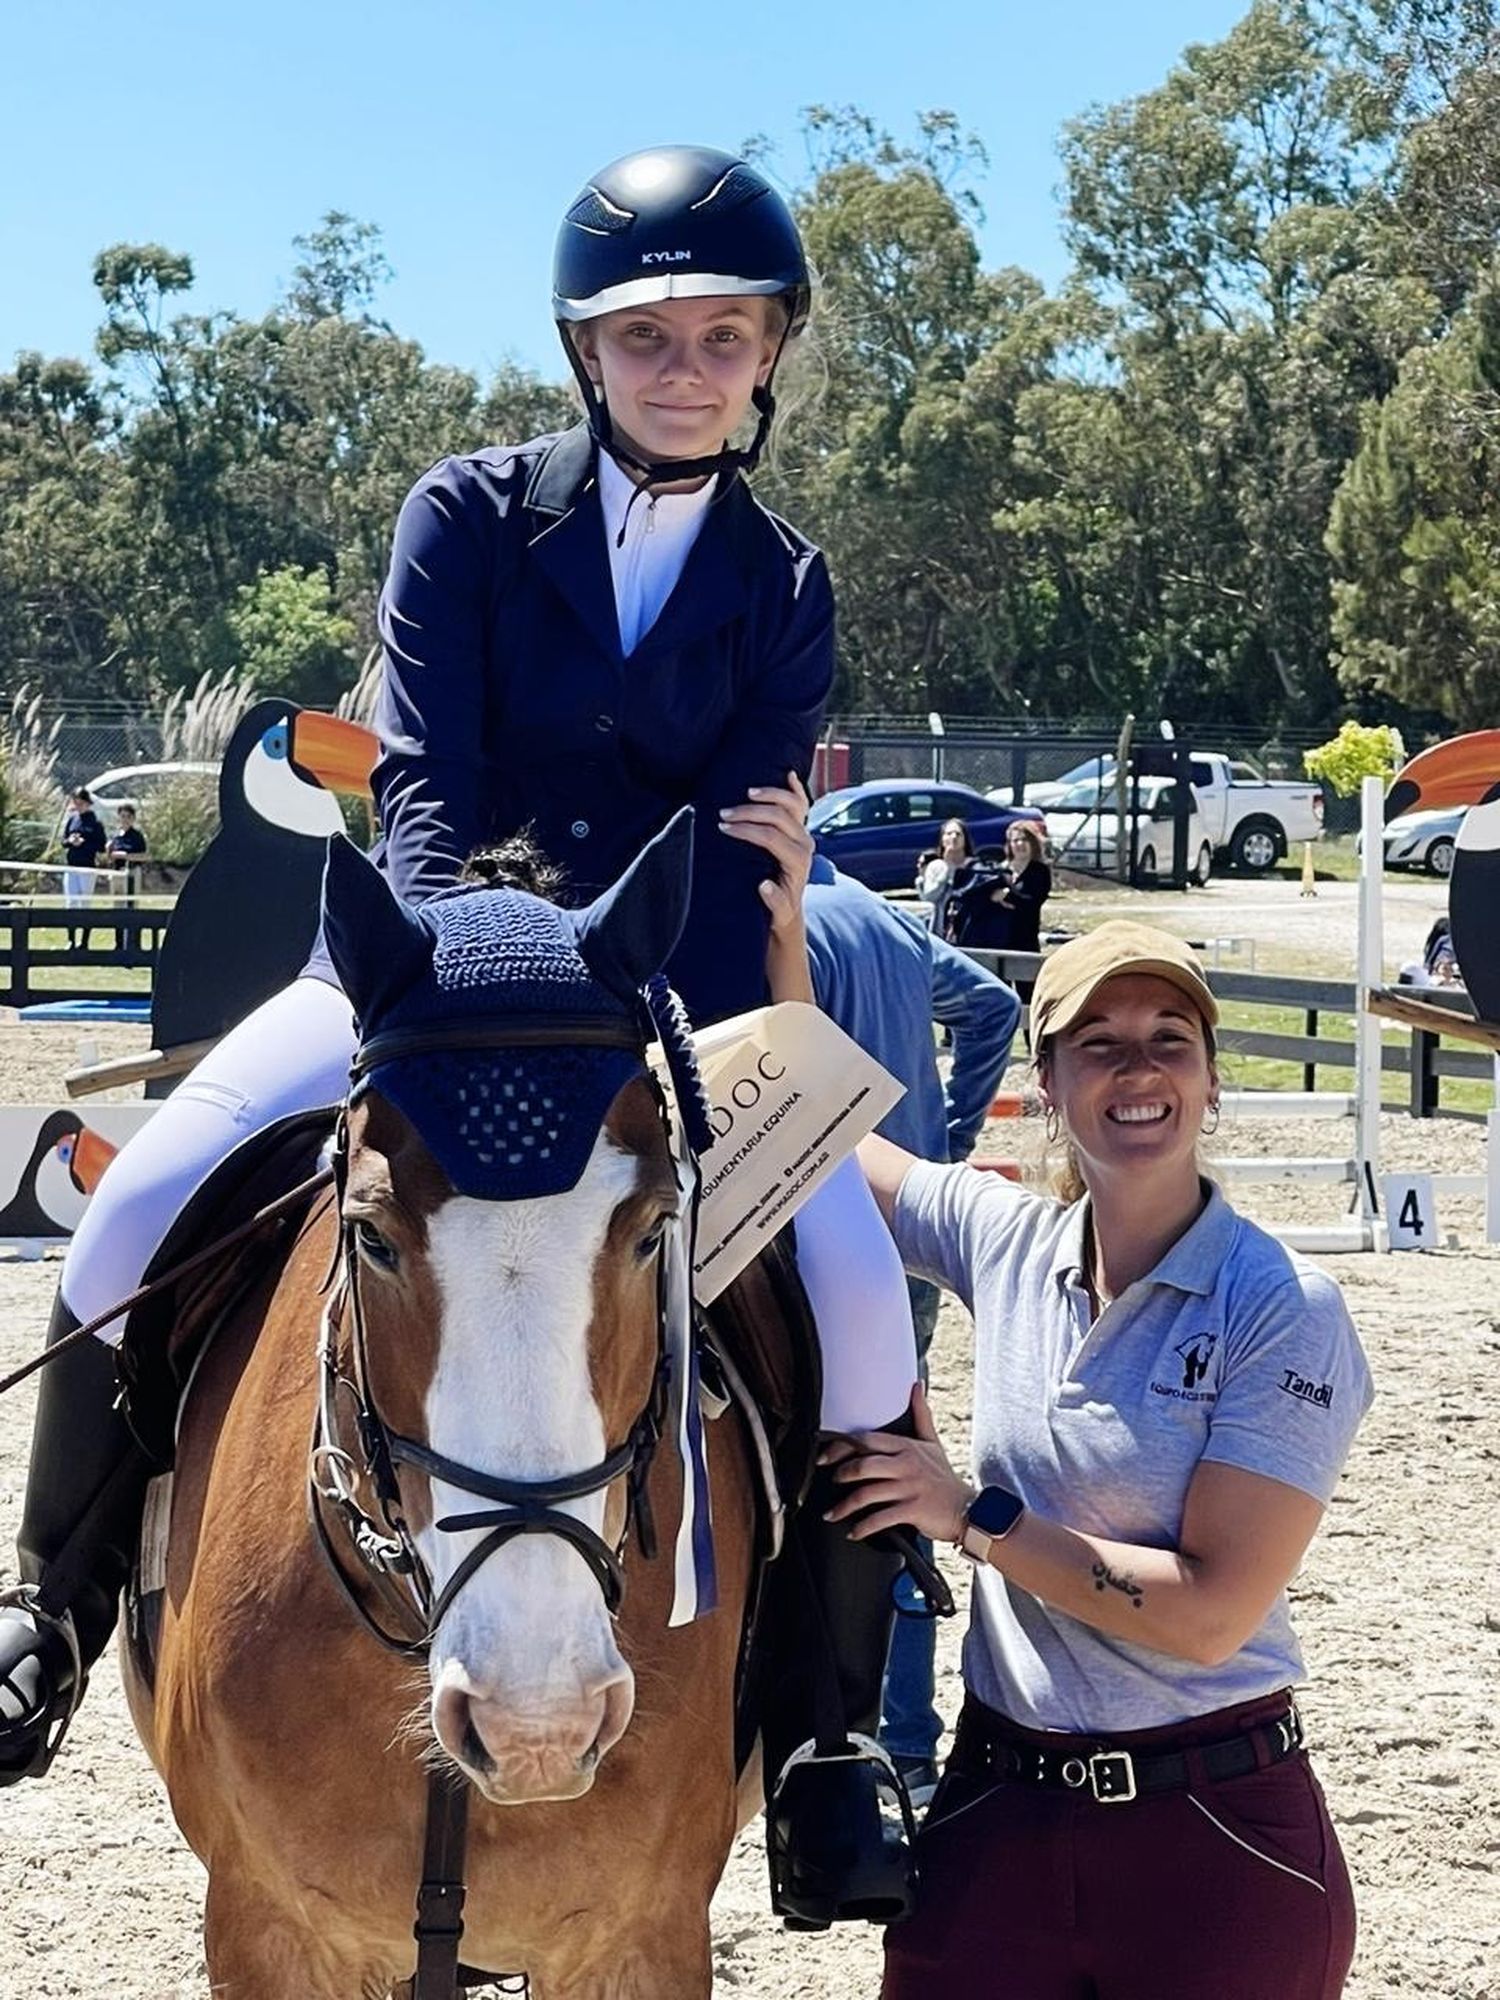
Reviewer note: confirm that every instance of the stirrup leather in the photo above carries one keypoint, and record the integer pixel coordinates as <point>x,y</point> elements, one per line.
<point>48,1725</point>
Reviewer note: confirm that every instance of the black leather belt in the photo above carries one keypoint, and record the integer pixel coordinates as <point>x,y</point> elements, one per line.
<point>1114,1776</point>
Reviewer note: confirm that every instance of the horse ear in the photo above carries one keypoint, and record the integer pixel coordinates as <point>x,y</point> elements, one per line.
<point>627,935</point>
<point>379,947</point>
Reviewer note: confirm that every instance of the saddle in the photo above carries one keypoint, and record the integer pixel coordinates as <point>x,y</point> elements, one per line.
<point>167,1333</point>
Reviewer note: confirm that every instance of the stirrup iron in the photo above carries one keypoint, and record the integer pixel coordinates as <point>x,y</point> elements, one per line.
<point>49,1723</point>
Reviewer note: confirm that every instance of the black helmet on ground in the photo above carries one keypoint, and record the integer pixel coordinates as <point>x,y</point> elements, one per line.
<point>677,222</point>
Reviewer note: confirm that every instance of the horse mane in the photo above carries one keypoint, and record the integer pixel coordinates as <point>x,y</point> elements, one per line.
<point>518,862</point>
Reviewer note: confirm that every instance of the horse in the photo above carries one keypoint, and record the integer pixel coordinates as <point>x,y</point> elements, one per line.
<point>474,1346</point>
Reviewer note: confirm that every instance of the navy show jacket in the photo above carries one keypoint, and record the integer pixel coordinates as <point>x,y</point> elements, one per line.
<point>506,701</point>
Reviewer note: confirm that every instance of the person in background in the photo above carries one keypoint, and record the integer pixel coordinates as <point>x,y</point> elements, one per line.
<point>936,871</point>
<point>1163,1399</point>
<point>83,842</point>
<point>127,844</point>
<point>1438,965</point>
<point>126,849</point>
<point>886,979</point>
<point>978,917</point>
<point>1028,887</point>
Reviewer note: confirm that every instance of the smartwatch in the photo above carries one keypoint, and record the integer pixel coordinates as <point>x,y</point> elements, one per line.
<point>988,1518</point>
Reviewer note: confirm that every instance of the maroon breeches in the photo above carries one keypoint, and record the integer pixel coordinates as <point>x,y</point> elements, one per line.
<point>1225,1889</point>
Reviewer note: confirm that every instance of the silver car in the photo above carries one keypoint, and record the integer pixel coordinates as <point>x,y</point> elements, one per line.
<point>1424,839</point>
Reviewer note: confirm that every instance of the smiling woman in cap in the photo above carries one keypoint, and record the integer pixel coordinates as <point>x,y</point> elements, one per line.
<point>1163,1400</point>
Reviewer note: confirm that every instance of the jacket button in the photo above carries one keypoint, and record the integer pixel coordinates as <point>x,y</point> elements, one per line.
<point>579,829</point>
<point>604,723</point>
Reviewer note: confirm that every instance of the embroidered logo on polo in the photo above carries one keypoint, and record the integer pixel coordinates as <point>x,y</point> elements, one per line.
<point>1319,1394</point>
<point>1196,1355</point>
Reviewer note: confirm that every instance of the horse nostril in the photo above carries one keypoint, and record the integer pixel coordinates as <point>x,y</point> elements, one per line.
<point>473,1753</point>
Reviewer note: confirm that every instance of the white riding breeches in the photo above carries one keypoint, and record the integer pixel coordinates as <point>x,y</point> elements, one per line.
<point>293,1053</point>
<point>857,1288</point>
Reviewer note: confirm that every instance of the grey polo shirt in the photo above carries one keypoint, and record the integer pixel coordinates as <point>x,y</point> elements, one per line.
<point>1232,1349</point>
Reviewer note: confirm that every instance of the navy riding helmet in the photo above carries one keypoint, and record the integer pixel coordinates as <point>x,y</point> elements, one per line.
<point>677,222</point>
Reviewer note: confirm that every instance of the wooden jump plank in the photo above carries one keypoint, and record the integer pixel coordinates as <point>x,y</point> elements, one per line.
<point>1431,1018</point>
<point>116,1071</point>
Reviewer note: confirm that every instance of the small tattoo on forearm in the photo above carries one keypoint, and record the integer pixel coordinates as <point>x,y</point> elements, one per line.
<point>1104,1577</point>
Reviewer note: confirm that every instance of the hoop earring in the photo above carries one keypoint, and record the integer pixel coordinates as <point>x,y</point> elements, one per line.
<point>1052,1125</point>
<point>1209,1130</point>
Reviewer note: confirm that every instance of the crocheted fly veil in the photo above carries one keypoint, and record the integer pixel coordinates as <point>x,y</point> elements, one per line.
<point>502,1028</point>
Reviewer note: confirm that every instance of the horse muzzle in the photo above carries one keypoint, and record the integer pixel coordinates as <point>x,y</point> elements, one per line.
<point>523,1752</point>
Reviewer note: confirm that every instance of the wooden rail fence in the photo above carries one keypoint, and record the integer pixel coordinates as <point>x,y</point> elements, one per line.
<point>1423,1057</point>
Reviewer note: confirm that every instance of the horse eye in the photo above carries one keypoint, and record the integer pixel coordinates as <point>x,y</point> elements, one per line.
<point>651,1242</point>
<point>374,1246</point>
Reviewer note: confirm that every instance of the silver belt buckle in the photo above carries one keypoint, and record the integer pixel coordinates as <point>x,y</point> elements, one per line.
<point>1112,1777</point>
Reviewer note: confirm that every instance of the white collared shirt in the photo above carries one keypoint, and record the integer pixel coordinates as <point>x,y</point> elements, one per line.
<point>647,559</point>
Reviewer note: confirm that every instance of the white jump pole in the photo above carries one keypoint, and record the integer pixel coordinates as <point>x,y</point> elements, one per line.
<point>1366,1229</point>
<point>1370,964</point>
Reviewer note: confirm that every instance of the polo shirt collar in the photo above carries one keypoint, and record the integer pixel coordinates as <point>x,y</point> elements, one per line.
<point>1192,1264</point>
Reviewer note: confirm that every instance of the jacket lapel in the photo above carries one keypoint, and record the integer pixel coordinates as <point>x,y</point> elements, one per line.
<point>567,544</point>
<point>567,539</point>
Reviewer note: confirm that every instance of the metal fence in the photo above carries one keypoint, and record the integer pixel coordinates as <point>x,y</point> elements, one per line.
<point>1006,753</point>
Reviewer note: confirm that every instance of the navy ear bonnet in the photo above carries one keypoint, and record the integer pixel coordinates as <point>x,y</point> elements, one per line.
<point>504,1122</point>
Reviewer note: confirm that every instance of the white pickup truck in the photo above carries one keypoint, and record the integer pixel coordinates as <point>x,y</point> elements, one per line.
<point>1250,821</point>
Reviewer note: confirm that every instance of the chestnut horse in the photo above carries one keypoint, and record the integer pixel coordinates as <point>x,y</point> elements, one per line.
<point>503,1343</point>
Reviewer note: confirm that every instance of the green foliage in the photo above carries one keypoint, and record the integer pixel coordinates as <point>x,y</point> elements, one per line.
<point>1240,467</point>
<point>31,800</point>
<point>1415,532</point>
<point>1356,753</point>
<point>290,638</point>
<point>183,819</point>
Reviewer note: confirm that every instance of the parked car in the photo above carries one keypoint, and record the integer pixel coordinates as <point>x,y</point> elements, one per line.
<point>1083,830</point>
<point>1050,790</point>
<point>1251,821</point>
<point>877,832</point>
<point>1424,839</point>
<point>136,785</point>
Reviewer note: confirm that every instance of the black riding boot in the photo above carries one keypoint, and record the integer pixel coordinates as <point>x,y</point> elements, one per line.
<point>77,1541</point>
<point>833,1853</point>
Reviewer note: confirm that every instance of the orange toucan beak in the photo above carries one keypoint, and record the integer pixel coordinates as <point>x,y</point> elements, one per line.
<point>1460,772</point>
<point>340,755</point>
<point>86,1154</point>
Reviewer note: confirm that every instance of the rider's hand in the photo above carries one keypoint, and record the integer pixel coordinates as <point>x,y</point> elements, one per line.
<point>896,1482</point>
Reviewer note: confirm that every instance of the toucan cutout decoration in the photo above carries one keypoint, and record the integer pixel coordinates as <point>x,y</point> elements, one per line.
<point>64,1167</point>
<point>1465,771</point>
<point>247,915</point>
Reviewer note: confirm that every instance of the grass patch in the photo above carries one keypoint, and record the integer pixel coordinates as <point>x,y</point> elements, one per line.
<point>113,976</point>
<point>1245,1072</point>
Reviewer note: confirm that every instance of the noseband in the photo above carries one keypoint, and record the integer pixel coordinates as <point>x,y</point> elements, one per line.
<point>386,1545</point>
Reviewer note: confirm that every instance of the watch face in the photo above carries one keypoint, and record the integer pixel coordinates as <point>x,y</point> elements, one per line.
<point>994,1511</point>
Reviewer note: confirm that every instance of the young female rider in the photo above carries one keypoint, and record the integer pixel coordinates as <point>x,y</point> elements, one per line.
<point>581,633</point>
<point>1163,1399</point>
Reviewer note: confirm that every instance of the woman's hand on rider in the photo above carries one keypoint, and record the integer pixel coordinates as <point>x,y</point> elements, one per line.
<point>896,1482</point>
<point>773,818</point>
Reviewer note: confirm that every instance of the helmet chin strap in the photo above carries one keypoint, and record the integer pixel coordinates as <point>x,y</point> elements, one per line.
<point>665,471</point>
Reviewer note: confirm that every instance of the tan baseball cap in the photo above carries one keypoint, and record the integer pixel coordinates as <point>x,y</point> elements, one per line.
<point>1076,970</point>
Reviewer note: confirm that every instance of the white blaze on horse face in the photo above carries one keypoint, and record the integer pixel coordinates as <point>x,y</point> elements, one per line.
<point>530,1689</point>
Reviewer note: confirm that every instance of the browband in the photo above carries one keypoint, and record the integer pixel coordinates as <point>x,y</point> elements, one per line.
<point>516,1031</point>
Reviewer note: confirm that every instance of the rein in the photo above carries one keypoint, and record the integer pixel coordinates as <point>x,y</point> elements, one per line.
<point>322,1179</point>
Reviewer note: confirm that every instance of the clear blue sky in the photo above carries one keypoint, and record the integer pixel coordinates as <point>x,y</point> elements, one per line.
<point>463,128</point>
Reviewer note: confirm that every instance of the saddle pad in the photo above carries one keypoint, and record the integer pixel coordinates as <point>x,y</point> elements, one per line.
<point>165,1335</point>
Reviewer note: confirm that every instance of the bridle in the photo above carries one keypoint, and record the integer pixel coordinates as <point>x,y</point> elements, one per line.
<point>383,1540</point>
